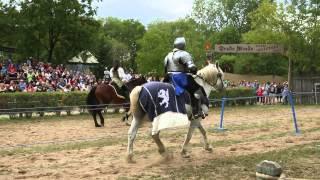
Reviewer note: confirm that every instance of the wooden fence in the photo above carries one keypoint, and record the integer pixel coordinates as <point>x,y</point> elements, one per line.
<point>307,85</point>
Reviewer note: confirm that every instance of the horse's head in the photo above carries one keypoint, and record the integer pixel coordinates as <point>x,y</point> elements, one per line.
<point>135,82</point>
<point>212,75</point>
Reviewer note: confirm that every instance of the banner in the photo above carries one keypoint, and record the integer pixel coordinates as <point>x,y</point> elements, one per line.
<point>248,48</point>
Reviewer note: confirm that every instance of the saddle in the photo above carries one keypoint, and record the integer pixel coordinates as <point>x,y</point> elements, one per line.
<point>123,91</point>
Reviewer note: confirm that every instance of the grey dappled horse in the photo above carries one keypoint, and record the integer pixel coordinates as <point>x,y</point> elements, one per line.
<point>209,77</point>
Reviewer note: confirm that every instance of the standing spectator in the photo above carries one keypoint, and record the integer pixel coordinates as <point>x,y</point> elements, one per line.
<point>279,90</point>
<point>266,92</point>
<point>260,94</point>
<point>285,93</point>
<point>272,92</point>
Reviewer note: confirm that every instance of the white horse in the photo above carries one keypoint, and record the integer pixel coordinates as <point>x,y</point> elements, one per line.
<point>210,78</point>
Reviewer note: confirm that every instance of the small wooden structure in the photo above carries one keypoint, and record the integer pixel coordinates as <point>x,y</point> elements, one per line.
<point>307,89</point>
<point>82,62</point>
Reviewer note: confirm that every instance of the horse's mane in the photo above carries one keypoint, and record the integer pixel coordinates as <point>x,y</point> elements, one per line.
<point>135,81</point>
<point>208,73</point>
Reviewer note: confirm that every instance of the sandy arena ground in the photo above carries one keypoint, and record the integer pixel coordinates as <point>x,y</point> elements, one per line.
<point>250,130</point>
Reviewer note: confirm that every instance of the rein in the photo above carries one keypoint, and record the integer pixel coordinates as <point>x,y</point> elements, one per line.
<point>219,75</point>
<point>212,85</point>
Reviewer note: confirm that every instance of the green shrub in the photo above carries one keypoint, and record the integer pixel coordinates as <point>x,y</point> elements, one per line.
<point>233,93</point>
<point>41,101</point>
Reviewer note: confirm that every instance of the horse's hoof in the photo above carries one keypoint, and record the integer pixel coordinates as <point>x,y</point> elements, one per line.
<point>184,154</point>
<point>128,124</point>
<point>167,156</point>
<point>97,125</point>
<point>209,149</point>
<point>130,159</point>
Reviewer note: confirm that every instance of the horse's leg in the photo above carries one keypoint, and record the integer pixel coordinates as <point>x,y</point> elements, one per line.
<point>193,125</point>
<point>207,146</point>
<point>125,118</point>
<point>161,149</point>
<point>131,136</point>
<point>101,118</point>
<point>157,140</point>
<point>94,115</point>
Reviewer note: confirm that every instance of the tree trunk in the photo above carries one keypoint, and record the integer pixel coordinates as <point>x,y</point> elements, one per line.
<point>50,53</point>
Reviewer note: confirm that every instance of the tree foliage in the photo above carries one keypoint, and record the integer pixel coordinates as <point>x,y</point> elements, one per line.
<point>158,42</point>
<point>125,32</point>
<point>219,14</point>
<point>53,30</point>
<point>56,30</point>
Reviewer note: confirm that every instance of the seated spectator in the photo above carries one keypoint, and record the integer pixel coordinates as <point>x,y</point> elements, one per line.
<point>1,78</point>
<point>12,87</point>
<point>61,84</point>
<point>7,79</point>
<point>12,71</point>
<point>30,76</point>
<point>3,71</point>
<point>22,86</point>
<point>30,88</point>
<point>2,88</point>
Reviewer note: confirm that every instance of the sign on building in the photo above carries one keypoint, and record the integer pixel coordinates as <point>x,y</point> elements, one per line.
<point>248,48</point>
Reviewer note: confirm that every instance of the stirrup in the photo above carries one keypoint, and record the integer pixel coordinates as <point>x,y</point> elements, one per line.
<point>200,114</point>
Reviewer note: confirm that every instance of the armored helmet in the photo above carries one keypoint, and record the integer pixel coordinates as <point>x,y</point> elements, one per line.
<point>180,43</point>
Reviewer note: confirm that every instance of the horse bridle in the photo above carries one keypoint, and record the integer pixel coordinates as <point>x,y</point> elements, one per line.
<point>219,75</point>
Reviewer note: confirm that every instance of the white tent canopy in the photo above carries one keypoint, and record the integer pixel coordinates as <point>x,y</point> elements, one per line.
<point>84,57</point>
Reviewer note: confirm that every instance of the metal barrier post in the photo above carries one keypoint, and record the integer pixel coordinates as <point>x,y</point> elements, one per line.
<point>221,115</point>
<point>293,113</point>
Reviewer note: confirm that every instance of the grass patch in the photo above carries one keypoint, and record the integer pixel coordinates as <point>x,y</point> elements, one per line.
<point>293,161</point>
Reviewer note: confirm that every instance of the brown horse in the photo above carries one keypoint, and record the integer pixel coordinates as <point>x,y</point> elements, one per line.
<point>104,95</point>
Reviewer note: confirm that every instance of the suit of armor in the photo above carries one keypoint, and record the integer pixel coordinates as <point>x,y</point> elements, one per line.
<point>177,64</point>
<point>178,61</point>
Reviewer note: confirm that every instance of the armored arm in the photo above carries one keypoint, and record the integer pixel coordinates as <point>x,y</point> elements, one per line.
<point>187,61</point>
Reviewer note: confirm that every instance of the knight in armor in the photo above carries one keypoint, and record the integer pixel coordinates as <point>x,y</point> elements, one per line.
<point>178,66</point>
<point>118,75</point>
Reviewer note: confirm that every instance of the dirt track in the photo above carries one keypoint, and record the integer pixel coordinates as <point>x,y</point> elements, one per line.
<point>72,148</point>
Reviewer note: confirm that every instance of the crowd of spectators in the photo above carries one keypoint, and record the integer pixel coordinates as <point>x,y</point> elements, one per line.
<point>266,92</point>
<point>35,76</point>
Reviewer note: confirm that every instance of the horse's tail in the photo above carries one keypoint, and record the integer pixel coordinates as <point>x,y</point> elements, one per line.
<point>92,100</point>
<point>134,98</point>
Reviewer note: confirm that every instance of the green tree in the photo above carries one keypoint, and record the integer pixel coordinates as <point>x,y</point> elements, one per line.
<point>48,25</point>
<point>127,32</point>
<point>293,24</point>
<point>8,24</point>
<point>218,14</point>
<point>158,41</point>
